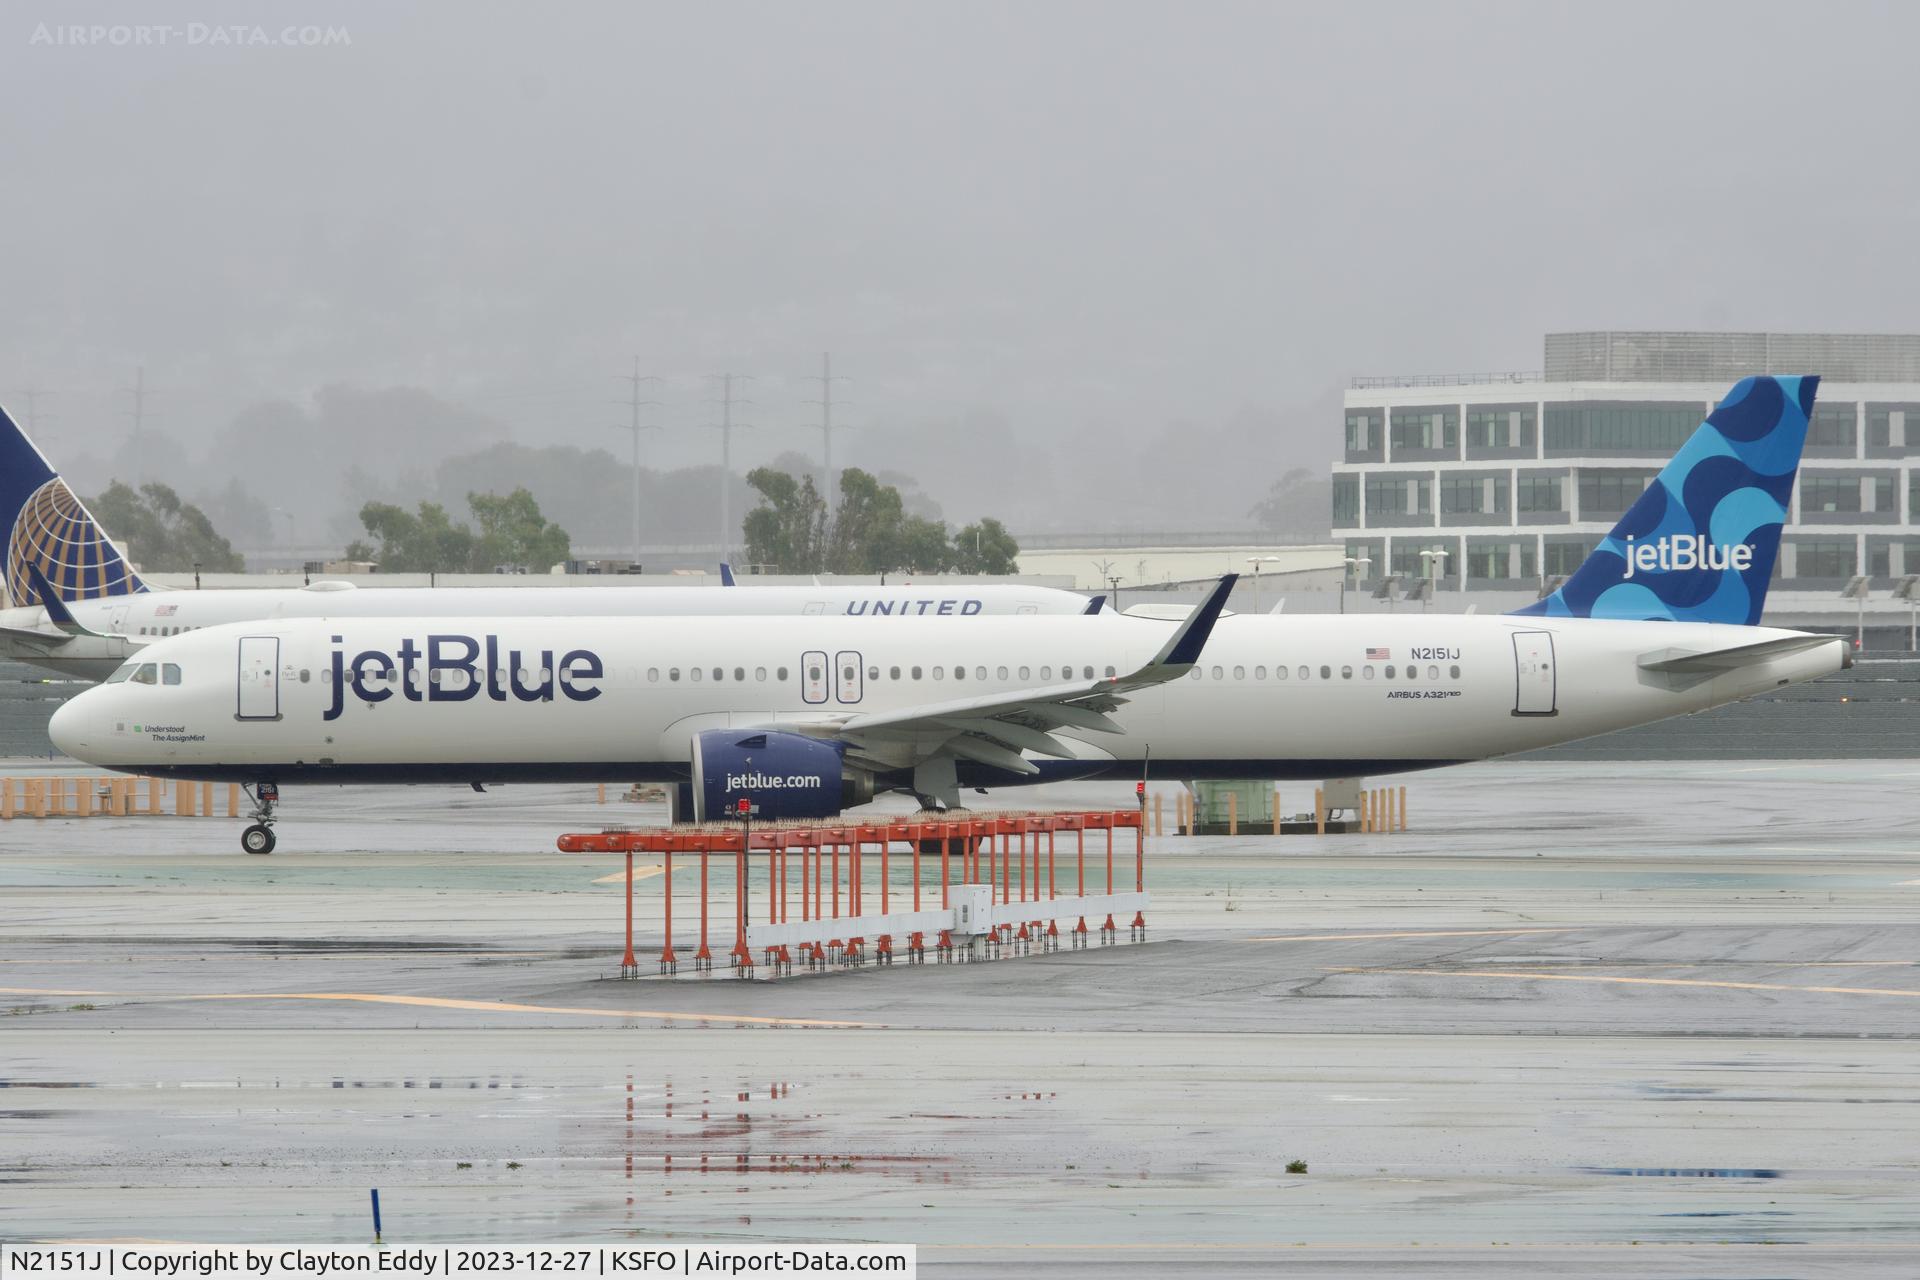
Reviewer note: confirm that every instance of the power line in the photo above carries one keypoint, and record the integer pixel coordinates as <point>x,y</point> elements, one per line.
<point>32,396</point>
<point>826,380</point>
<point>138,413</point>
<point>634,402</point>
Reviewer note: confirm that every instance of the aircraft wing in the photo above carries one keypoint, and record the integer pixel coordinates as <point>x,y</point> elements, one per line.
<point>995,728</point>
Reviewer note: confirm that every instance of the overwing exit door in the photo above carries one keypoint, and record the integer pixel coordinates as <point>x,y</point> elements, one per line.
<point>1535,680</point>
<point>846,676</point>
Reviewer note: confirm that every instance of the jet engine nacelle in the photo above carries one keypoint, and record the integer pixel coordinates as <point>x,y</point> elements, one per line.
<point>781,775</point>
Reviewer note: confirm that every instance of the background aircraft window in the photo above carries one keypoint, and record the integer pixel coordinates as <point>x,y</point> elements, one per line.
<point>760,674</point>
<point>1346,673</point>
<point>979,673</point>
<point>121,674</point>
<point>916,673</point>
<point>1454,672</point>
<point>1433,673</point>
<point>673,674</point>
<point>1089,673</point>
<point>147,674</point>
<point>1194,674</point>
<point>1259,673</point>
<point>1026,673</point>
<point>1046,673</point>
<point>1367,671</point>
<point>1111,672</point>
<point>1239,673</point>
<point>1218,674</point>
<point>1326,673</point>
<point>1000,673</point>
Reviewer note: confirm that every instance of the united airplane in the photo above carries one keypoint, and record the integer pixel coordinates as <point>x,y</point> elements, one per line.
<point>805,716</point>
<point>80,609</point>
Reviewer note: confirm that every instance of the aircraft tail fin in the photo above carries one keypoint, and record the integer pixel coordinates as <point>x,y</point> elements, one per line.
<point>45,527</point>
<point>1700,544</point>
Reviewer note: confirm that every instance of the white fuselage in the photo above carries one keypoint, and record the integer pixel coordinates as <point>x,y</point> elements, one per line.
<point>125,623</point>
<point>622,698</point>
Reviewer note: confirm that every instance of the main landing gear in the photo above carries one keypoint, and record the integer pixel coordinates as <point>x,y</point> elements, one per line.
<point>258,838</point>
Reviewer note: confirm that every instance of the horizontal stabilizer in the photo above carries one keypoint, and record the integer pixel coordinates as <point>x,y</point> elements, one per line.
<point>1682,661</point>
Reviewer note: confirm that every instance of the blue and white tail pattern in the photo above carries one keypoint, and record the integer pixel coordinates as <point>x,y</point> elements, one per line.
<point>46,526</point>
<point>1700,544</point>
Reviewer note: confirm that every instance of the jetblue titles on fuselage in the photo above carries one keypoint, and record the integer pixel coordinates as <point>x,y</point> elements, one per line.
<point>371,673</point>
<point>912,608</point>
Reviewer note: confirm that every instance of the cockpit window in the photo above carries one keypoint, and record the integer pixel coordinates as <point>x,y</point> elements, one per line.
<point>123,673</point>
<point>149,673</point>
<point>170,673</point>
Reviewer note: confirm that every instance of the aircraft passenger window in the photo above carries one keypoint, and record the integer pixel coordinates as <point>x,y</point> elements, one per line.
<point>959,673</point>
<point>1346,673</point>
<point>306,675</point>
<point>1026,673</point>
<point>937,673</point>
<point>719,673</point>
<point>847,674</point>
<point>1303,673</point>
<point>760,674</point>
<point>873,673</point>
<point>783,673</point>
<point>1326,673</point>
<point>979,673</point>
<point>653,675</point>
<point>916,673</point>
<point>893,673</point>
<point>1259,673</point>
<point>1239,673</point>
<point>1046,673</point>
<point>673,674</point>
<point>1111,672</point>
<point>1433,673</point>
<point>1413,672</point>
<point>814,674</point>
<point>739,673</point>
<point>1194,674</point>
<point>1389,671</point>
<point>1089,673</point>
<point>122,674</point>
<point>147,674</point>
<point>1219,674</point>
<point>1367,671</point>
<point>1000,673</point>
<point>1454,672</point>
<point>1279,673</point>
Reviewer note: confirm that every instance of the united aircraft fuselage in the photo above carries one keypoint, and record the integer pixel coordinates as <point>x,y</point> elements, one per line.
<point>522,699</point>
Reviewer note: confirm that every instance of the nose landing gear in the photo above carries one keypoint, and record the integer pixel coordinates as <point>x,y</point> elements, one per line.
<point>258,837</point>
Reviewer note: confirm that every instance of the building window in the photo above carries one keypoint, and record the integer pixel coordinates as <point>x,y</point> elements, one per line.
<point>1562,556</point>
<point>1363,430</point>
<point>1346,499</point>
<point>1461,495</point>
<point>1426,428</point>
<point>1824,559</point>
<point>1893,426</point>
<point>1832,427</point>
<point>1610,493</point>
<point>1494,427</point>
<point>1540,493</point>
<point>1599,427</point>
<point>1394,495</point>
<point>1411,565</point>
<point>1501,560</point>
<point>1828,493</point>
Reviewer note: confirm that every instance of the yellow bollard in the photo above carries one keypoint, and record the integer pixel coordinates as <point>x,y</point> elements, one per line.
<point>206,799</point>
<point>6,799</point>
<point>603,793</point>
<point>1403,808</point>
<point>183,800</point>
<point>1319,812</point>
<point>1276,811</point>
<point>37,797</point>
<point>1157,829</point>
<point>1233,814</point>
<point>153,795</point>
<point>233,799</point>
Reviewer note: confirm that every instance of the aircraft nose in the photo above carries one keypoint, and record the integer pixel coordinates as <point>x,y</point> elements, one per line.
<point>69,728</point>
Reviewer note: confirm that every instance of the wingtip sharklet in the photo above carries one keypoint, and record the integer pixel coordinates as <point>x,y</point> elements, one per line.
<point>1183,649</point>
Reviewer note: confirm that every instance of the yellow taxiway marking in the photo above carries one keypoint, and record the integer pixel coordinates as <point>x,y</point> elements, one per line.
<point>1432,933</point>
<point>1640,982</point>
<point>639,873</point>
<point>444,1002</point>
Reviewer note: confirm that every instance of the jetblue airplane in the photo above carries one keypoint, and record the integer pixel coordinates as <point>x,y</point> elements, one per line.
<point>88,610</point>
<point>805,716</point>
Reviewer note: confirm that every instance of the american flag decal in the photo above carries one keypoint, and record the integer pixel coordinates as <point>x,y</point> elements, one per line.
<point>165,610</point>
<point>1379,655</point>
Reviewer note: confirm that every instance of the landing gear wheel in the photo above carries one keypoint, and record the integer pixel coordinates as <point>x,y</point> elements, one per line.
<point>257,838</point>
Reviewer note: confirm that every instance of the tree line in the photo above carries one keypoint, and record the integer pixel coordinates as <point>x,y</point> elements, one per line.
<point>870,531</point>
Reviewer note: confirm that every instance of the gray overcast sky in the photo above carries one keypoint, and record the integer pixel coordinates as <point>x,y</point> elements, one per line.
<point>1091,222</point>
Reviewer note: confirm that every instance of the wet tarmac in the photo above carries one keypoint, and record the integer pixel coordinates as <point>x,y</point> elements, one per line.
<point>1648,1019</point>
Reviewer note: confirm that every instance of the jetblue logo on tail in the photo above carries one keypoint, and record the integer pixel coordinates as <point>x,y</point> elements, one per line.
<point>1699,544</point>
<point>1685,551</point>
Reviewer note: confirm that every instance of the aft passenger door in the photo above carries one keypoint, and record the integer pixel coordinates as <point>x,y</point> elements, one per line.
<point>1534,677</point>
<point>846,676</point>
<point>259,678</point>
